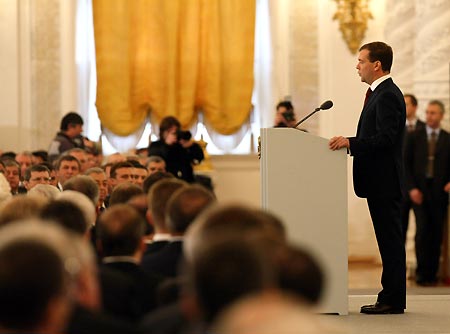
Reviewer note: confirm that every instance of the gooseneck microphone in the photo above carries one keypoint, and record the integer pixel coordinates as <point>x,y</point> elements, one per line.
<point>324,106</point>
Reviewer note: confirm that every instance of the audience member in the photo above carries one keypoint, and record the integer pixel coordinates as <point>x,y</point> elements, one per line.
<point>99,176</point>
<point>128,292</point>
<point>83,202</point>
<point>36,282</point>
<point>81,156</point>
<point>153,178</point>
<point>158,197</point>
<point>85,185</point>
<point>34,175</point>
<point>12,173</point>
<point>66,214</point>
<point>25,160</point>
<point>21,207</point>
<point>67,166</point>
<point>156,164</point>
<point>5,189</point>
<point>124,192</point>
<point>44,191</point>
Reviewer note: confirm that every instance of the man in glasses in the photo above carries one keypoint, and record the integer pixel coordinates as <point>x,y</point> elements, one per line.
<point>34,175</point>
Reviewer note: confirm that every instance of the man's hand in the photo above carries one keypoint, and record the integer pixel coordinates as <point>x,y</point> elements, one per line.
<point>336,143</point>
<point>416,196</point>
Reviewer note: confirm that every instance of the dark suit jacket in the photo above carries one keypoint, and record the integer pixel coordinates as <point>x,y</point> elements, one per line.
<point>416,156</point>
<point>377,148</point>
<point>127,291</point>
<point>164,262</point>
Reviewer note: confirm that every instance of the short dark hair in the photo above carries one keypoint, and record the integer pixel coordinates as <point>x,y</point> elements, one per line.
<point>72,118</point>
<point>85,185</point>
<point>35,168</point>
<point>185,205</point>
<point>67,158</point>
<point>120,230</point>
<point>159,196</point>
<point>286,104</point>
<point>412,98</point>
<point>40,154</point>
<point>380,51</point>
<point>66,214</point>
<point>150,180</point>
<point>124,192</point>
<point>31,274</point>
<point>167,123</point>
<point>118,165</point>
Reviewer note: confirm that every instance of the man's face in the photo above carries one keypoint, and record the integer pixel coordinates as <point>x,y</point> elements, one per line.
<point>433,116</point>
<point>12,175</point>
<point>123,175</point>
<point>102,183</point>
<point>154,167</point>
<point>139,176</point>
<point>365,67</point>
<point>410,108</point>
<point>24,161</point>
<point>66,170</point>
<point>37,178</point>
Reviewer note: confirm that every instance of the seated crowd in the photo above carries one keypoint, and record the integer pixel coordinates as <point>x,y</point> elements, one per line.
<point>127,247</point>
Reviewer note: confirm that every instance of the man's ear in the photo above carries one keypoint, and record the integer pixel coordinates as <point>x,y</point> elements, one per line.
<point>149,217</point>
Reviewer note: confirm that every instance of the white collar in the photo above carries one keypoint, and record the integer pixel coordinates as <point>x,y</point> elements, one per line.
<point>375,84</point>
<point>430,130</point>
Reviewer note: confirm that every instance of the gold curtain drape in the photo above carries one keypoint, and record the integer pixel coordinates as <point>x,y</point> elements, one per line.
<point>174,58</point>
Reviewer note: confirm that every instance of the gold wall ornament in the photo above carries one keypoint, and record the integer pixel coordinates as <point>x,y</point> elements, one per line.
<point>352,16</point>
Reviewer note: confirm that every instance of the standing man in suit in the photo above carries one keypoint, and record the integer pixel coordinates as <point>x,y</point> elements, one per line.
<point>378,169</point>
<point>412,124</point>
<point>428,181</point>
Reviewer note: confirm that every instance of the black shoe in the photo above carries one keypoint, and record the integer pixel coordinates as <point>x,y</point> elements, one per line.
<point>379,308</point>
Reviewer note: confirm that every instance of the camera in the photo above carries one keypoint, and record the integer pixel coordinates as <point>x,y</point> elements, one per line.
<point>184,135</point>
<point>288,115</point>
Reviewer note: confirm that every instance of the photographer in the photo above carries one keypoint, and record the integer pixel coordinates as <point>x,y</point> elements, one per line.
<point>285,116</point>
<point>177,148</point>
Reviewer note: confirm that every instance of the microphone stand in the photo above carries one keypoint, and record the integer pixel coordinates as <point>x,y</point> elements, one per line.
<point>305,118</point>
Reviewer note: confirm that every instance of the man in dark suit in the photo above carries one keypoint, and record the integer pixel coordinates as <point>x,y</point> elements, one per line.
<point>378,169</point>
<point>412,124</point>
<point>127,291</point>
<point>428,181</point>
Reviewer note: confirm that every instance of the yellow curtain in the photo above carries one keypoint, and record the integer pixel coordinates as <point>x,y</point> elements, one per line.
<point>174,58</point>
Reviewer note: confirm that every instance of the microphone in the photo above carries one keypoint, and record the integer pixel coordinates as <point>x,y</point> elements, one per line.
<point>324,106</point>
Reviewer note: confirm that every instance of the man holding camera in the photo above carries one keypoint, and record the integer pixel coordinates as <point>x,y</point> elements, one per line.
<point>177,148</point>
<point>285,116</point>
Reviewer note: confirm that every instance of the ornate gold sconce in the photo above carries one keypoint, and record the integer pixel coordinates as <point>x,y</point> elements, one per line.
<point>353,16</point>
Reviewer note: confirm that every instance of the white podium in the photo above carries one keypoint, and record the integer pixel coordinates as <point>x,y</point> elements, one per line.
<point>305,184</point>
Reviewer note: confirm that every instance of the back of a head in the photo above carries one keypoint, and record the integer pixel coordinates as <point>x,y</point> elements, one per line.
<point>120,230</point>
<point>185,205</point>
<point>45,191</point>
<point>85,185</point>
<point>34,275</point>
<point>21,207</point>
<point>153,178</point>
<point>243,270</point>
<point>299,273</point>
<point>158,198</point>
<point>67,215</point>
<point>82,201</point>
<point>123,192</point>
<point>229,221</point>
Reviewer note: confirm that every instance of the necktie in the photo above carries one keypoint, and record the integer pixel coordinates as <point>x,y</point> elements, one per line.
<point>431,152</point>
<point>410,127</point>
<point>368,93</point>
